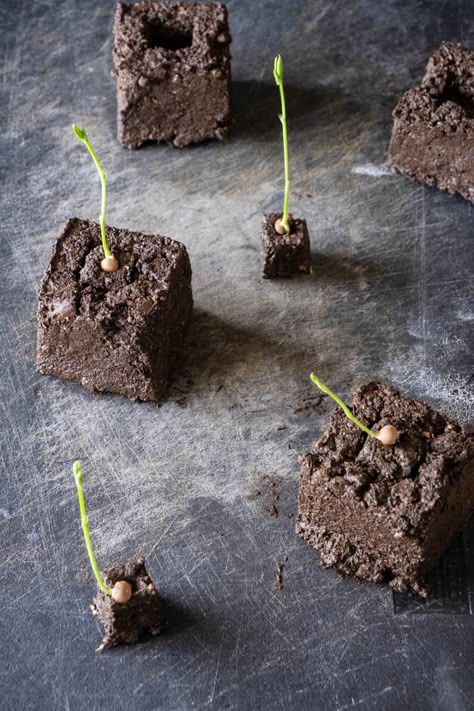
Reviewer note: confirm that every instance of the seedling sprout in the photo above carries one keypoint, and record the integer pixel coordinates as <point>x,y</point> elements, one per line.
<point>109,263</point>
<point>387,435</point>
<point>122,591</point>
<point>282,225</point>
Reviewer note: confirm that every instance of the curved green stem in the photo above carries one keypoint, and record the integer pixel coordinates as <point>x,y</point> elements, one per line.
<point>342,405</point>
<point>278,76</point>
<point>81,134</point>
<point>77,471</point>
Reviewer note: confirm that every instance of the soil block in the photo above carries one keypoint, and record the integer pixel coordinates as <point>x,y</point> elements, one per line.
<point>172,66</point>
<point>386,513</point>
<point>126,623</point>
<point>120,332</point>
<point>287,254</point>
<point>433,127</point>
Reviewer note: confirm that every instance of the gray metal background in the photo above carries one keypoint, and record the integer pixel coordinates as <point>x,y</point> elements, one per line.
<point>390,297</point>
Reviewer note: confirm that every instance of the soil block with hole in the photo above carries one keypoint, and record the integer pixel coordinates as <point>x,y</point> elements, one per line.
<point>287,254</point>
<point>172,66</point>
<point>386,513</point>
<point>120,332</point>
<point>126,623</point>
<point>433,129</point>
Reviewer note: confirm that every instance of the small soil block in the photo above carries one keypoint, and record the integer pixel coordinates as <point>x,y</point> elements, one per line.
<point>386,513</point>
<point>433,128</point>
<point>126,623</point>
<point>172,66</point>
<point>120,332</point>
<point>287,254</point>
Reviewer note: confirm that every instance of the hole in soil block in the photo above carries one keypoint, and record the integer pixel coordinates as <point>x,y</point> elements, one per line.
<point>166,38</point>
<point>454,94</point>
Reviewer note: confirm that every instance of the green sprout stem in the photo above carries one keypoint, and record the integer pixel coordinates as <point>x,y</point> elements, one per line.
<point>342,405</point>
<point>81,134</point>
<point>77,471</point>
<point>278,76</point>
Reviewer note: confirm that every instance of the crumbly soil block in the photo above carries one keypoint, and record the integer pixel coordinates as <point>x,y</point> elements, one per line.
<point>433,124</point>
<point>172,66</point>
<point>288,254</point>
<point>126,623</point>
<point>386,513</point>
<point>120,332</point>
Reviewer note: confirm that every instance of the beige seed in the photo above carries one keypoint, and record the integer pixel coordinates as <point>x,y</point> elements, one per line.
<point>388,434</point>
<point>280,228</point>
<point>122,591</point>
<point>109,264</point>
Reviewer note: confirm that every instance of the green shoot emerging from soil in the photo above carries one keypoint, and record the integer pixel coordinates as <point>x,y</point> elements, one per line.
<point>387,435</point>
<point>81,134</point>
<point>77,471</point>
<point>278,76</point>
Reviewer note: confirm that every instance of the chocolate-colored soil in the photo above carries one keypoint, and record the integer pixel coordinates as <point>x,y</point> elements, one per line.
<point>126,623</point>
<point>120,332</point>
<point>288,254</point>
<point>386,513</point>
<point>433,127</point>
<point>172,64</point>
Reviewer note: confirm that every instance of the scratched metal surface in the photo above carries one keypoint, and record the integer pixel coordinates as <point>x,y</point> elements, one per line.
<point>391,297</point>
